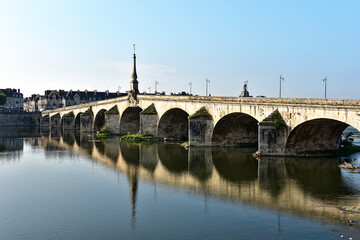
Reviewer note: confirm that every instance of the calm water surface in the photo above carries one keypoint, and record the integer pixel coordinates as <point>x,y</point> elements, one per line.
<point>68,186</point>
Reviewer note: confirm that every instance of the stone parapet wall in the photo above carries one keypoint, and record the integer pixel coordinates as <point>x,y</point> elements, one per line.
<point>260,100</point>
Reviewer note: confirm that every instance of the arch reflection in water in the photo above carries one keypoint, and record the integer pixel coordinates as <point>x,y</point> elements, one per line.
<point>319,177</point>
<point>235,164</point>
<point>288,184</point>
<point>173,157</point>
<point>130,153</point>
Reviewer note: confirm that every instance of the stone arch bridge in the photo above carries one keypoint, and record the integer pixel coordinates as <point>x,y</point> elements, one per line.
<point>278,126</point>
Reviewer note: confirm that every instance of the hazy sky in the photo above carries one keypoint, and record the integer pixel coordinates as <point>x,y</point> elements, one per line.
<point>74,44</point>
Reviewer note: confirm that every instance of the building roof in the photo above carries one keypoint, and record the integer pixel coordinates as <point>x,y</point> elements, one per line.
<point>11,92</point>
<point>76,95</point>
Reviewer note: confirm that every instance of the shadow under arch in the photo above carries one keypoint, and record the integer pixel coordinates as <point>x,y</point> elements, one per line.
<point>236,129</point>
<point>321,134</point>
<point>174,124</point>
<point>235,164</point>
<point>130,120</point>
<point>99,120</point>
<point>173,157</point>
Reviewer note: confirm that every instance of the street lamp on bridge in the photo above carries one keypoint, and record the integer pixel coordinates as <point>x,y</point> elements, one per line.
<point>156,83</point>
<point>324,81</point>
<point>207,87</point>
<point>281,79</point>
<point>190,84</point>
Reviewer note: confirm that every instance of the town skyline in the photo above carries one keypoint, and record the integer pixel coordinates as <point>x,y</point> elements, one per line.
<point>88,45</point>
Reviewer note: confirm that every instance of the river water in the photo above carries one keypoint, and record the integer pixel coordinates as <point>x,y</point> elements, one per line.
<point>69,186</point>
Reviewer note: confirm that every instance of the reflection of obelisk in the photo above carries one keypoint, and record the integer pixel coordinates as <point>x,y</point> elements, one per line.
<point>132,174</point>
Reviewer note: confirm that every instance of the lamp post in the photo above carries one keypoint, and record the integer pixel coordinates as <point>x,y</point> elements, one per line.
<point>156,83</point>
<point>207,86</point>
<point>190,84</point>
<point>281,79</point>
<point>324,81</point>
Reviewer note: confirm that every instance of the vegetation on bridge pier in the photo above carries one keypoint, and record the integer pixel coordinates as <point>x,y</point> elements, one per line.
<point>138,137</point>
<point>104,133</point>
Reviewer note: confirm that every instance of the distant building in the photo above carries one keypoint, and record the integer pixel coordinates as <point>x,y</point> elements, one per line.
<point>59,98</point>
<point>14,101</point>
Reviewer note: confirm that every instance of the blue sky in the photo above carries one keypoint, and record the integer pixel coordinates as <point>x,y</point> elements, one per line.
<point>68,44</point>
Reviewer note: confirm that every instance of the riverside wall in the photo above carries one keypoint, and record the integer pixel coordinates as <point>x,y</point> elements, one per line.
<point>19,119</point>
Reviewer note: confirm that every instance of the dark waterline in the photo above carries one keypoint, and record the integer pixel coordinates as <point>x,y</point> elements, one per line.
<point>69,186</point>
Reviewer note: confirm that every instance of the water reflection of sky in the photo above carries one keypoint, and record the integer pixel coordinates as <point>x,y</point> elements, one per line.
<point>228,173</point>
<point>97,189</point>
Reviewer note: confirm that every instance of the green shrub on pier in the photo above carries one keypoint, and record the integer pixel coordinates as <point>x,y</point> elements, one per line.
<point>88,112</point>
<point>69,114</point>
<point>201,113</point>
<point>137,137</point>
<point>104,133</point>
<point>185,144</point>
<point>276,119</point>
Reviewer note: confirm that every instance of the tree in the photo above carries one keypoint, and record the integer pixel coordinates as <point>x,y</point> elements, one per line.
<point>2,99</point>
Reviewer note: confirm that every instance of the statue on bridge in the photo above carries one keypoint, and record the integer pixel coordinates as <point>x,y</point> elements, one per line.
<point>245,92</point>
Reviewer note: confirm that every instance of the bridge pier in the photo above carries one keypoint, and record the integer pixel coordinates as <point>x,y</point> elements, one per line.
<point>271,139</point>
<point>149,121</point>
<point>45,121</point>
<point>201,126</point>
<point>148,124</point>
<point>55,121</point>
<point>112,120</point>
<point>200,131</point>
<point>86,122</point>
<point>68,122</point>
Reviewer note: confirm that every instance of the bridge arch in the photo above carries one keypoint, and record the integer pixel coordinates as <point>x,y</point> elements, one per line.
<point>130,120</point>
<point>99,120</point>
<point>174,124</point>
<point>320,134</point>
<point>236,129</point>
